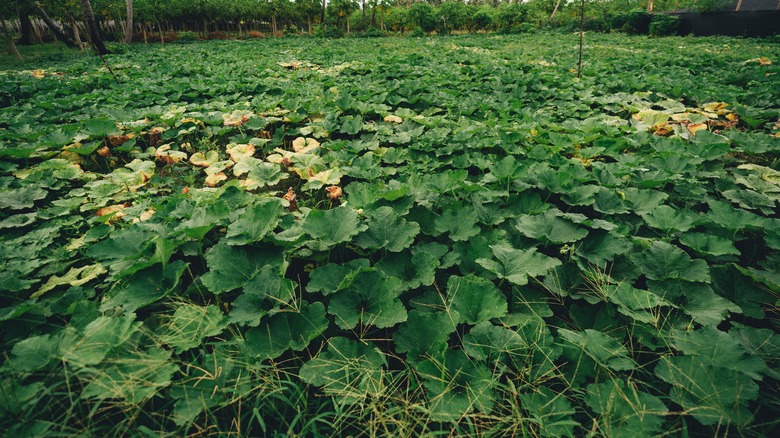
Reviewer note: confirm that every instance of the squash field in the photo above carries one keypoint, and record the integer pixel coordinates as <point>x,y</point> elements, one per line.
<point>393,236</point>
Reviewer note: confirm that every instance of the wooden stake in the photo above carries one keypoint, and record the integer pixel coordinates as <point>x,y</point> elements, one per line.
<point>582,25</point>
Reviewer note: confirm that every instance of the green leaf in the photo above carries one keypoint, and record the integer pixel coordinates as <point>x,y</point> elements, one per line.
<point>191,324</point>
<point>414,271</point>
<point>664,261</point>
<point>638,304</point>
<point>602,348</point>
<point>551,412</point>
<point>601,247</point>
<point>486,341</point>
<point>475,299</point>
<point>18,220</point>
<point>90,345</point>
<point>712,395</point>
<point>331,227</point>
<point>230,267</point>
<point>266,292</point>
<point>135,376</point>
<point>456,385</point>
<point>99,127</point>
<point>287,330</point>
<point>254,222</point>
<point>719,349</point>
<point>709,244</point>
<point>667,219</point>
<point>696,299</point>
<point>550,227</point>
<point>146,287</point>
<point>460,223</point>
<point>348,370</point>
<point>732,218</point>
<point>387,230</point>
<point>517,265</point>
<point>36,352</point>
<point>21,198</point>
<point>624,411</point>
<point>371,298</point>
<point>424,334</point>
<point>328,278</point>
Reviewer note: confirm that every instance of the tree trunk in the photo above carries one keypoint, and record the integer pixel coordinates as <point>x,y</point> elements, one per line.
<point>739,6</point>
<point>308,16</point>
<point>10,41</point>
<point>26,29</point>
<point>557,5</point>
<point>129,25</point>
<point>76,34</point>
<point>94,32</point>
<point>362,13</point>
<point>650,6</point>
<point>54,27</point>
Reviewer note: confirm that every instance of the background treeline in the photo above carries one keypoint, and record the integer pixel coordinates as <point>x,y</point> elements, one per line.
<point>166,20</point>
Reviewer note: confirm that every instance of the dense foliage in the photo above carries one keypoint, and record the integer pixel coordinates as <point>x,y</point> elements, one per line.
<point>393,237</point>
<point>349,16</point>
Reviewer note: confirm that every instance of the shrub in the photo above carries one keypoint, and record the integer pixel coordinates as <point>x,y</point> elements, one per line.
<point>481,20</point>
<point>185,37</point>
<point>424,16</point>
<point>634,23</point>
<point>664,25</point>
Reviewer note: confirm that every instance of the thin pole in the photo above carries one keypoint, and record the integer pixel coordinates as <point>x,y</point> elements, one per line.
<point>582,25</point>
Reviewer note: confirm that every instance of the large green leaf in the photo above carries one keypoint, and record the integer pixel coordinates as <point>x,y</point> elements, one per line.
<point>424,334</point>
<point>486,341</point>
<point>414,271</point>
<point>475,299</point>
<point>348,370</point>
<point>667,219</point>
<point>602,348</point>
<point>550,227</point>
<point>146,287</point>
<point>460,223</point>
<point>517,265</point>
<point>90,345</point>
<point>254,222</point>
<point>711,394</point>
<point>329,278</point>
<point>190,324</point>
<point>371,298</point>
<point>287,330</point>
<point>134,376</point>
<point>331,227</point>
<point>230,267</point>
<point>552,413</point>
<point>663,261</point>
<point>456,385</point>
<point>387,230</point>
<point>719,349</point>
<point>624,411</point>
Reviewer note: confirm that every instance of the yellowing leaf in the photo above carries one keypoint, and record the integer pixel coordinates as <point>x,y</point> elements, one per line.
<point>716,107</point>
<point>74,277</point>
<point>204,160</point>
<point>167,156</point>
<point>238,152</point>
<point>236,118</point>
<point>694,128</point>
<point>38,74</point>
<point>393,119</point>
<point>215,179</point>
<point>305,145</point>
